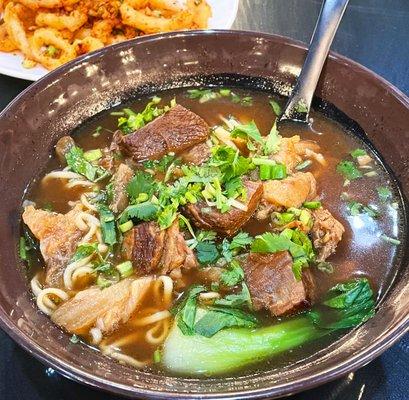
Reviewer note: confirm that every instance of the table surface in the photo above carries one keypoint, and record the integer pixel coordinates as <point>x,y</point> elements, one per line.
<point>374,33</point>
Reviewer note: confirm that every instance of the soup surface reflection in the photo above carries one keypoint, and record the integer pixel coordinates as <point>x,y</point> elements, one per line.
<point>166,230</point>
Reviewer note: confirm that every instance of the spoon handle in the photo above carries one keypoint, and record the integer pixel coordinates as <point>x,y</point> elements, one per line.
<point>299,104</point>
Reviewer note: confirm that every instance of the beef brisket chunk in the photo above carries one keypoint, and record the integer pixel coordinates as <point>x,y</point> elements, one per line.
<point>154,250</point>
<point>175,131</point>
<point>230,222</point>
<point>326,233</point>
<point>272,283</point>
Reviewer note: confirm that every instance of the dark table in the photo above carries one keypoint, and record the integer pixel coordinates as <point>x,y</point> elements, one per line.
<point>374,33</point>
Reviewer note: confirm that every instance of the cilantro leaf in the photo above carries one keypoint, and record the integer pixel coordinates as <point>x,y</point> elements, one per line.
<point>207,252</point>
<point>349,170</point>
<point>233,275</point>
<point>355,208</point>
<point>84,250</point>
<point>270,243</point>
<point>236,300</point>
<point>142,182</point>
<point>77,163</point>
<point>247,131</point>
<point>240,241</point>
<point>146,211</point>
<point>107,220</point>
<point>272,143</point>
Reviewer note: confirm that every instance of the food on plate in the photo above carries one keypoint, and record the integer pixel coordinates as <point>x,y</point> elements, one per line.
<point>187,233</point>
<point>52,32</point>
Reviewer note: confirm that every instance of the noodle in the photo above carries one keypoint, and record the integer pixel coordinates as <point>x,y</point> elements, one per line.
<point>46,305</point>
<point>123,358</point>
<point>68,276</point>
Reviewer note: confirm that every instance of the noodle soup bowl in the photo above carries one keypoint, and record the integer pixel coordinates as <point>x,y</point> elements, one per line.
<point>65,98</point>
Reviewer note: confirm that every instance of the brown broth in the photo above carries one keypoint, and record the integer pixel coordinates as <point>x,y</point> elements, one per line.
<point>361,252</point>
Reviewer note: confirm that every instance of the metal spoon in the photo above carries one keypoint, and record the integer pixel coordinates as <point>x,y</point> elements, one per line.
<point>299,103</point>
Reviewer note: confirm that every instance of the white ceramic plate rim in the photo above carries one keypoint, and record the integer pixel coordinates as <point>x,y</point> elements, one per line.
<point>224,14</point>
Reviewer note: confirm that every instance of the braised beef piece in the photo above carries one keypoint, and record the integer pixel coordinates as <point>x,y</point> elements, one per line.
<point>154,250</point>
<point>326,233</point>
<point>196,155</point>
<point>63,145</point>
<point>273,286</point>
<point>175,131</point>
<point>120,180</point>
<point>230,222</point>
<point>292,191</point>
<point>59,237</point>
<point>144,244</point>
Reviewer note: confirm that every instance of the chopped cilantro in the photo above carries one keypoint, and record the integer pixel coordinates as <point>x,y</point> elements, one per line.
<point>272,142</point>
<point>142,182</point>
<point>349,170</point>
<point>355,208</point>
<point>146,211</point>
<point>247,131</point>
<point>233,275</point>
<point>107,219</point>
<point>384,193</point>
<point>358,153</point>
<point>207,252</point>
<point>77,163</point>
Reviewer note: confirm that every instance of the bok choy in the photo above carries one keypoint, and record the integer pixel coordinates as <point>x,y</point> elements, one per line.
<point>345,306</point>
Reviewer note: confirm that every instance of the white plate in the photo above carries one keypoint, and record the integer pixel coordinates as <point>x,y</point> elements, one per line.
<point>224,13</point>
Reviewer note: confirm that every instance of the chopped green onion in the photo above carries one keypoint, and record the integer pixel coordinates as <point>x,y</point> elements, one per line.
<point>384,193</point>
<point>157,356</point>
<point>142,197</point>
<point>125,269</point>
<point>125,227</point>
<point>97,131</point>
<point>262,161</point>
<point>303,165</point>
<point>117,113</point>
<point>190,197</point>
<point>278,171</point>
<point>74,339</point>
<point>305,218</point>
<point>390,240</point>
<point>103,282</point>
<point>22,249</point>
<point>265,172</point>
<point>312,205</point>
<point>225,92</point>
<point>93,155</point>
<point>358,153</point>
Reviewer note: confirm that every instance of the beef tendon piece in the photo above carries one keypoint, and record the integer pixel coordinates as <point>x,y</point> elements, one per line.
<point>104,309</point>
<point>292,191</point>
<point>154,250</point>
<point>120,180</point>
<point>175,131</point>
<point>273,286</point>
<point>326,233</point>
<point>230,222</point>
<point>59,237</point>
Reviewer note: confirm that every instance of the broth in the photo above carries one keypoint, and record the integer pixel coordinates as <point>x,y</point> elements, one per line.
<point>361,252</point>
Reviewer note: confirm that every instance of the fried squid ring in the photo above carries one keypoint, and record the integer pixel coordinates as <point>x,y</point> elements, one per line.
<point>15,28</point>
<point>36,4</point>
<point>45,37</point>
<point>133,15</point>
<point>87,44</point>
<point>6,43</point>
<point>72,22</point>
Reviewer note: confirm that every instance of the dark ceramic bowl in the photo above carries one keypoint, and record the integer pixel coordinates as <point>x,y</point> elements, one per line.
<point>52,107</point>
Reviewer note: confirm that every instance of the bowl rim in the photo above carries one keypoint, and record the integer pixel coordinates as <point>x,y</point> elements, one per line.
<point>74,371</point>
